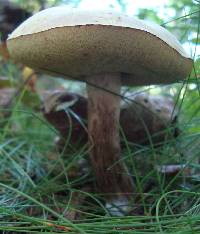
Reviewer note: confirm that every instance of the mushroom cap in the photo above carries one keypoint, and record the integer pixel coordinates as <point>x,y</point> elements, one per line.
<point>76,43</point>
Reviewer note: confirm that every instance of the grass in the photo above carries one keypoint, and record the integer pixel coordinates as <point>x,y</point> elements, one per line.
<point>37,188</point>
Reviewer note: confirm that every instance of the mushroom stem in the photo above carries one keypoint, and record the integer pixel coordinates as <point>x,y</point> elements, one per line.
<point>111,174</point>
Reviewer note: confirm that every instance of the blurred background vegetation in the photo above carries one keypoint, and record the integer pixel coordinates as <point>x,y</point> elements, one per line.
<point>42,188</point>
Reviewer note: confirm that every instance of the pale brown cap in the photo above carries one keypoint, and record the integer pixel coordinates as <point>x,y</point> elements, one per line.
<point>75,44</point>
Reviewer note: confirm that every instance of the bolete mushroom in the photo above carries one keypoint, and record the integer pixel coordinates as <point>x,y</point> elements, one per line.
<point>106,50</point>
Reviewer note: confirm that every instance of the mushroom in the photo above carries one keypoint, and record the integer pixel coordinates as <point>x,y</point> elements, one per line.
<point>106,50</point>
